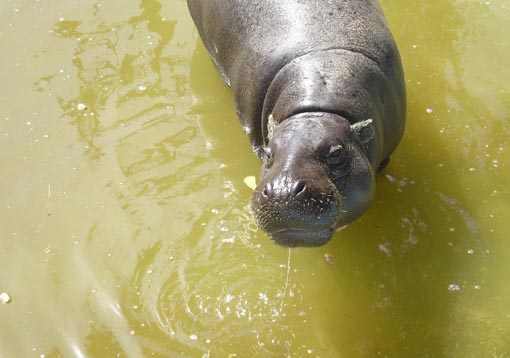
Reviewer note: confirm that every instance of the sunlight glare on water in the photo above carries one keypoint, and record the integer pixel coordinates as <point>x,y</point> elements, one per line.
<point>125,228</point>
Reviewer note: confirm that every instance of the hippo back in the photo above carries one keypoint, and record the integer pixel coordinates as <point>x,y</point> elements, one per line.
<point>251,41</point>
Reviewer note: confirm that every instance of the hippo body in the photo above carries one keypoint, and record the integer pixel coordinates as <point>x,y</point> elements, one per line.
<point>319,90</point>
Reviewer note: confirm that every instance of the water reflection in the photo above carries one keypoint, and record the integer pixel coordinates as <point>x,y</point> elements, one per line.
<point>118,65</point>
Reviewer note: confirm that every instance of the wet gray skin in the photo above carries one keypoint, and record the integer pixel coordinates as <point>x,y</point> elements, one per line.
<point>315,178</point>
<point>319,90</point>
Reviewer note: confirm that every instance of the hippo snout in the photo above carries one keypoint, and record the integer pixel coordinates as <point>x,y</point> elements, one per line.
<point>296,211</point>
<point>285,192</point>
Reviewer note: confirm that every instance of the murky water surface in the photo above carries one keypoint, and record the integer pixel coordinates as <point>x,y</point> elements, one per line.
<point>125,229</point>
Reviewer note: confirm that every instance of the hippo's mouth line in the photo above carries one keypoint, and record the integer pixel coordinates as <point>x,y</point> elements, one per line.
<point>303,231</point>
<point>301,237</point>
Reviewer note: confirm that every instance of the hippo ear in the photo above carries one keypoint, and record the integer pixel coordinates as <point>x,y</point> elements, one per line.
<point>363,131</point>
<point>271,125</point>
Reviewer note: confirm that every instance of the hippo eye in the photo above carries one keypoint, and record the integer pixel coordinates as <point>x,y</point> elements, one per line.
<point>335,155</point>
<point>267,157</point>
<point>335,150</point>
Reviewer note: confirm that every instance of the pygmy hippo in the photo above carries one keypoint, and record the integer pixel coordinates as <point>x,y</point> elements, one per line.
<point>319,90</point>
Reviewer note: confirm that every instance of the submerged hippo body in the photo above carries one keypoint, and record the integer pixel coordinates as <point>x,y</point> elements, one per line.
<point>319,90</point>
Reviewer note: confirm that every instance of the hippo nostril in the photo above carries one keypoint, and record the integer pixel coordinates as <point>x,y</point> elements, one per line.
<point>285,191</point>
<point>267,192</point>
<point>299,188</point>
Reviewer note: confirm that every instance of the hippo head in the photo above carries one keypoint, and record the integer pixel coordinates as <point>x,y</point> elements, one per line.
<point>315,178</point>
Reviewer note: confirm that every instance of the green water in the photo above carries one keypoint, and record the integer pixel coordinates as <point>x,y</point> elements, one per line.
<point>125,229</point>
